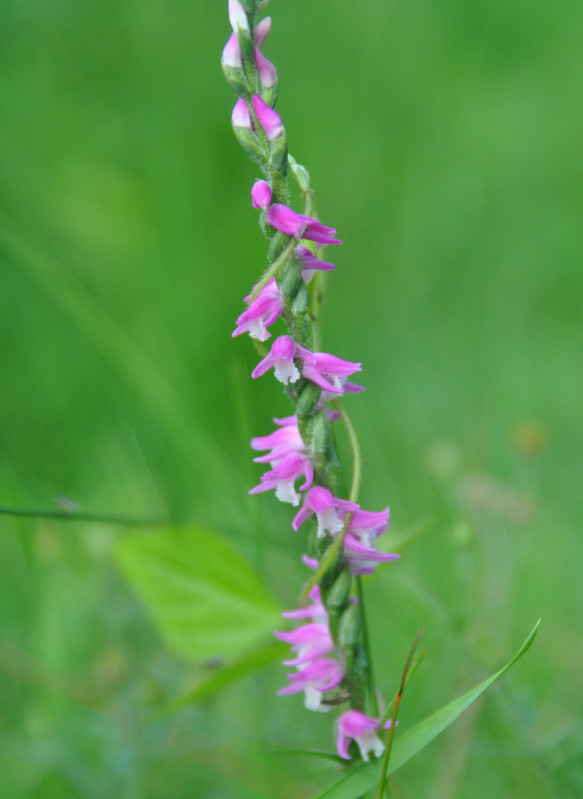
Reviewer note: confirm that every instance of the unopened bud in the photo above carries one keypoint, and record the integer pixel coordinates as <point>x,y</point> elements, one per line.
<point>262,31</point>
<point>261,194</point>
<point>238,17</point>
<point>233,67</point>
<point>300,173</point>
<point>269,119</point>
<point>267,77</point>
<point>243,130</point>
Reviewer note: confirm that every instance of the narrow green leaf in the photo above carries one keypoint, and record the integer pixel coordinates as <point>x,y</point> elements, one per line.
<point>317,753</point>
<point>225,676</point>
<point>203,597</point>
<point>357,782</point>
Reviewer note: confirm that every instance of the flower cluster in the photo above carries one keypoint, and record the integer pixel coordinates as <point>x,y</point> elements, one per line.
<point>300,452</point>
<point>312,643</point>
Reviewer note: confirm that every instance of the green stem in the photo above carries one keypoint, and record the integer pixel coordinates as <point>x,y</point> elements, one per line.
<point>395,715</point>
<point>367,650</point>
<point>72,515</point>
<point>356,452</point>
<point>274,268</point>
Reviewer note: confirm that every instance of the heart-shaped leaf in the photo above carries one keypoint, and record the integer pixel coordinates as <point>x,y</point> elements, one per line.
<point>203,597</point>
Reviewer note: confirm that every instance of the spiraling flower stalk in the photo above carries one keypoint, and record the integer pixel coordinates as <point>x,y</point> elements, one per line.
<point>329,652</point>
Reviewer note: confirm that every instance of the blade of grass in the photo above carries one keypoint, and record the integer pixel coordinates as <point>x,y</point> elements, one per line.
<point>365,776</point>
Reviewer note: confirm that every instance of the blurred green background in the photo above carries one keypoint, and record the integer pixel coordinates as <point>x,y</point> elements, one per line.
<point>444,143</point>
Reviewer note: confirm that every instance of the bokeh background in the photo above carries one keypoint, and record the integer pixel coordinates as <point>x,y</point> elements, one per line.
<point>444,143</point>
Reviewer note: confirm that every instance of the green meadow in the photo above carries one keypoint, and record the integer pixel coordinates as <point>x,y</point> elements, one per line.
<point>444,144</point>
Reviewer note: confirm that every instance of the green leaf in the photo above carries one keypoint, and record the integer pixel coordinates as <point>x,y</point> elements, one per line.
<point>357,782</point>
<point>317,753</point>
<point>203,597</point>
<point>227,675</point>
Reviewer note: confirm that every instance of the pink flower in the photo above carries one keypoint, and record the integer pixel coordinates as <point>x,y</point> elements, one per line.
<point>281,358</point>
<point>310,263</point>
<point>261,312</point>
<point>283,477</point>
<point>261,194</point>
<point>356,725</point>
<point>301,227</point>
<point>316,678</point>
<point>312,641</point>
<point>329,372</point>
<point>319,500</point>
<point>363,559</point>
<point>285,441</point>
<point>369,525</point>
<point>311,563</point>
<point>316,611</point>
<point>319,367</point>
<point>269,119</point>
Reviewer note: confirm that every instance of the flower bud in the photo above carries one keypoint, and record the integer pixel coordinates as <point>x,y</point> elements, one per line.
<point>261,194</point>
<point>262,31</point>
<point>238,17</point>
<point>233,67</point>
<point>267,77</point>
<point>243,130</point>
<point>300,173</point>
<point>269,119</point>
